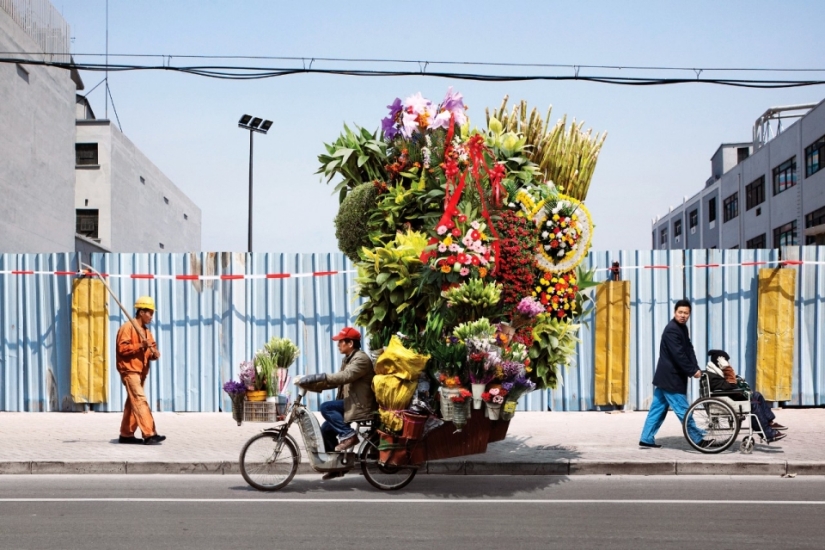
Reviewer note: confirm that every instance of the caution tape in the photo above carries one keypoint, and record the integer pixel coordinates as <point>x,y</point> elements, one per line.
<point>227,277</point>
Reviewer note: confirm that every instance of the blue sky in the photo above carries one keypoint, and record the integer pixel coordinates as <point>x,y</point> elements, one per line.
<point>660,139</point>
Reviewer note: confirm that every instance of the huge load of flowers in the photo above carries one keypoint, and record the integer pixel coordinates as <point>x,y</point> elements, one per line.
<point>468,244</point>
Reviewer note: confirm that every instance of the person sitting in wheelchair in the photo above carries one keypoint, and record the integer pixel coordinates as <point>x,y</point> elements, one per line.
<point>722,378</point>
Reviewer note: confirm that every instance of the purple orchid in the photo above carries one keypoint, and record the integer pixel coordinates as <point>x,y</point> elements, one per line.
<point>388,125</point>
<point>529,307</point>
<point>454,103</point>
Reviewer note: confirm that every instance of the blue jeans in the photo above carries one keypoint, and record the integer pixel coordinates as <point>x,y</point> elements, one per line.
<point>334,428</point>
<point>658,410</point>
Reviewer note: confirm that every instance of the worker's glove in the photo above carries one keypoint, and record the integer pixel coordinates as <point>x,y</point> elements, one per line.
<point>309,379</point>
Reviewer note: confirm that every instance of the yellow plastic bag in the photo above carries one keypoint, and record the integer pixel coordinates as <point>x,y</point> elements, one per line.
<point>396,378</point>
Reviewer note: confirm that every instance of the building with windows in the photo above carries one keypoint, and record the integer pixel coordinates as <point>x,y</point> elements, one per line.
<point>70,182</point>
<point>123,201</point>
<point>766,193</point>
<point>37,129</point>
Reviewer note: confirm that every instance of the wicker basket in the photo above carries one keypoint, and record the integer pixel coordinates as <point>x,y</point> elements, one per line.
<point>260,411</point>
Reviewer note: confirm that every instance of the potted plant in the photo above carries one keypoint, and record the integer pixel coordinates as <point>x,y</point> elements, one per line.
<point>237,392</point>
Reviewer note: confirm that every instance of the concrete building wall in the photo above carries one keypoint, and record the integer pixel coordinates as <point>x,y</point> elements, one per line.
<point>37,108</point>
<point>791,204</point>
<point>140,209</point>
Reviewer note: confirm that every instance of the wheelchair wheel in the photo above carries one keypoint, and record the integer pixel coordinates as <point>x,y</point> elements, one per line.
<point>747,445</point>
<point>719,422</point>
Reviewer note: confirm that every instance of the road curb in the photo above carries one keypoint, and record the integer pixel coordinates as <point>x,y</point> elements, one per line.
<point>448,467</point>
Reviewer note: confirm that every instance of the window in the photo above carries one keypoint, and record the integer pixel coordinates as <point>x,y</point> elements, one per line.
<point>755,193</point>
<point>712,210</point>
<point>693,218</point>
<point>742,153</point>
<point>86,222</point>
<point>817,217</point>
<point>677,228</point>
<point>663,236</point>
<point>730,207</point>
<point>784,176</point>
<point>758,242</point>
<point>814,154</point>
<point>785,235</point>
<point>85,154</point>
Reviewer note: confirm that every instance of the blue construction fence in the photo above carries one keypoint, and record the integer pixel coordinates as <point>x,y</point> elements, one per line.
<point>206,328</point>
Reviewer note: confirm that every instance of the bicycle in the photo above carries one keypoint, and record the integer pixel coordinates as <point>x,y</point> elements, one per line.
<point>269,460</point>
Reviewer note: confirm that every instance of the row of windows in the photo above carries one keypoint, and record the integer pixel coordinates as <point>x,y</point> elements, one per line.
<point>784,235</point>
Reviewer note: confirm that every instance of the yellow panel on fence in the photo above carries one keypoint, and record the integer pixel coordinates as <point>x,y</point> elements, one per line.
<point>775,333</point>
<point>612,343</point>
<point>90,334</point>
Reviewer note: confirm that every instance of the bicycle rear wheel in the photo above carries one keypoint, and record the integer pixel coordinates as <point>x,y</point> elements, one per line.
<point>717,420</point>
<point>267,464</point>
<point>384,477</point>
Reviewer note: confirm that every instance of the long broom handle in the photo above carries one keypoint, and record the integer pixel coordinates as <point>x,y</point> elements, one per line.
<point>123,309</point>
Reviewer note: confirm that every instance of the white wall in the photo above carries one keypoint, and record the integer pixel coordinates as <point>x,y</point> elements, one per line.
<point>36,151</point>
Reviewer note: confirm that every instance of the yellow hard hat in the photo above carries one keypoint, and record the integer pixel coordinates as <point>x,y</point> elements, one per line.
<point>145,302</point>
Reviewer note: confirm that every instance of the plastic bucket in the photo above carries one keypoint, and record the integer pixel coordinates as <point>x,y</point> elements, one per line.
<point>413,425</point>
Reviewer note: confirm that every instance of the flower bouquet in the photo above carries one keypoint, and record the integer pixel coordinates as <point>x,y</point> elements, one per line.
<point>237,392</point>
<point>482,360</point>
<point>283,352</point>
<point>494,399</point>
<point>461,411</point>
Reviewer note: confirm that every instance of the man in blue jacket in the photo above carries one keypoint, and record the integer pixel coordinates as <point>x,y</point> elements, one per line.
<point>677,362</point>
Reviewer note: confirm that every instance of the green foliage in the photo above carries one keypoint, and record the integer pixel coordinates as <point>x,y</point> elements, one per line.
<point>388,279</point>
<point>358,157</point>
<point>554,344</point>
<point>351,222</point>
<point>401,208</point>
<point>473,299</point>
<point>447,358</point>
<point>282,351</point>
<point>584,301</point>
<point>480,328</point>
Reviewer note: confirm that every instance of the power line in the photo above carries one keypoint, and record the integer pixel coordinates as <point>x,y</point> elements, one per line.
<point>230,72</point>
<point>423,62</point>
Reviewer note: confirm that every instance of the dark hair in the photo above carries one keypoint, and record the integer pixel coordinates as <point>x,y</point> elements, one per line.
<point>356,344</point>
<point>682,303</point>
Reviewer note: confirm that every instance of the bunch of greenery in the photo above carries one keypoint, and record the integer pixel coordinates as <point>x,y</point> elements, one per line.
<point>282,351</point>
<point>554,343</point>
<point>265,367</point>
<point>565,157</point>
<point>480,328</point>
<point>473,299</point>
<point>351,228</point>
<point>388,279</point>
<point>358,157</point>
<point>585,281</point>
<point>403,208</point>
<point>447,356</point>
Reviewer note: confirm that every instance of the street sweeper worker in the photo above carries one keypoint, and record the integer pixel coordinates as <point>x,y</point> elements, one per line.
<point>136,347</point>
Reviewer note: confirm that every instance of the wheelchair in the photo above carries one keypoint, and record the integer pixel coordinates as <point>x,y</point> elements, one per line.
<point>721,414</point>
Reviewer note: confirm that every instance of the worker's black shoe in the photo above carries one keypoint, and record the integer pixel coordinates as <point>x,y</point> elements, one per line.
<point>154,439</point>
<point>649,445</point>
<point>130,439</point>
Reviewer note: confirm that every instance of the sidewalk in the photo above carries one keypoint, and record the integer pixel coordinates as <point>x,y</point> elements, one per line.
<point>543,443</point>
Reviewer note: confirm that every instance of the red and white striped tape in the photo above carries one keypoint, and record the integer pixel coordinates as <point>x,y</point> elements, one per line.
<point>228,277</point>
<point>231,277</point>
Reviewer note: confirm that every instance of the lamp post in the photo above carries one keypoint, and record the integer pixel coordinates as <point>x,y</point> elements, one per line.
<point>253,124</point>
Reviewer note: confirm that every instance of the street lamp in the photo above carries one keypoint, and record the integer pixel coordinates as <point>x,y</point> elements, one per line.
<point>253,124</point>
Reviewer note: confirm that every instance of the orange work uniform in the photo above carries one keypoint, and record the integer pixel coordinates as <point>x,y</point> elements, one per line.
<point>133,366</point>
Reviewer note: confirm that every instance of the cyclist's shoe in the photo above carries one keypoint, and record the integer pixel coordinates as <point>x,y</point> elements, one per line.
<point>331,475</point>
<point>347,443</point>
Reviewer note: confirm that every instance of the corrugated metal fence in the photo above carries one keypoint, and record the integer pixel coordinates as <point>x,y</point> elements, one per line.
<point>206,328</point>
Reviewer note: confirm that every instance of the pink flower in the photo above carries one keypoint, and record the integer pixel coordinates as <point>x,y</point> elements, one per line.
<point>474,225</point>
<point>498,399</point>
<point>442,247</point>
<point>441,229</point>
<point>464,272</point>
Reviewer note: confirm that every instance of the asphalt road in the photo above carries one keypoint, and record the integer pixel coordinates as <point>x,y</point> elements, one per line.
<point>434,512</point>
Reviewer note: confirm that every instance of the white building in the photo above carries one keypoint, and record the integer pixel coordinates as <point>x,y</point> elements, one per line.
<point>67,181</point>
<point>122,200</point>
<point>37,129</point>
<point>766,193</point>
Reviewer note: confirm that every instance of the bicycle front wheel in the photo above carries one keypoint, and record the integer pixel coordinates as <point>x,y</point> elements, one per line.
<point>384,477</point>
<point>267,463</point>
<point>717,420</point>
